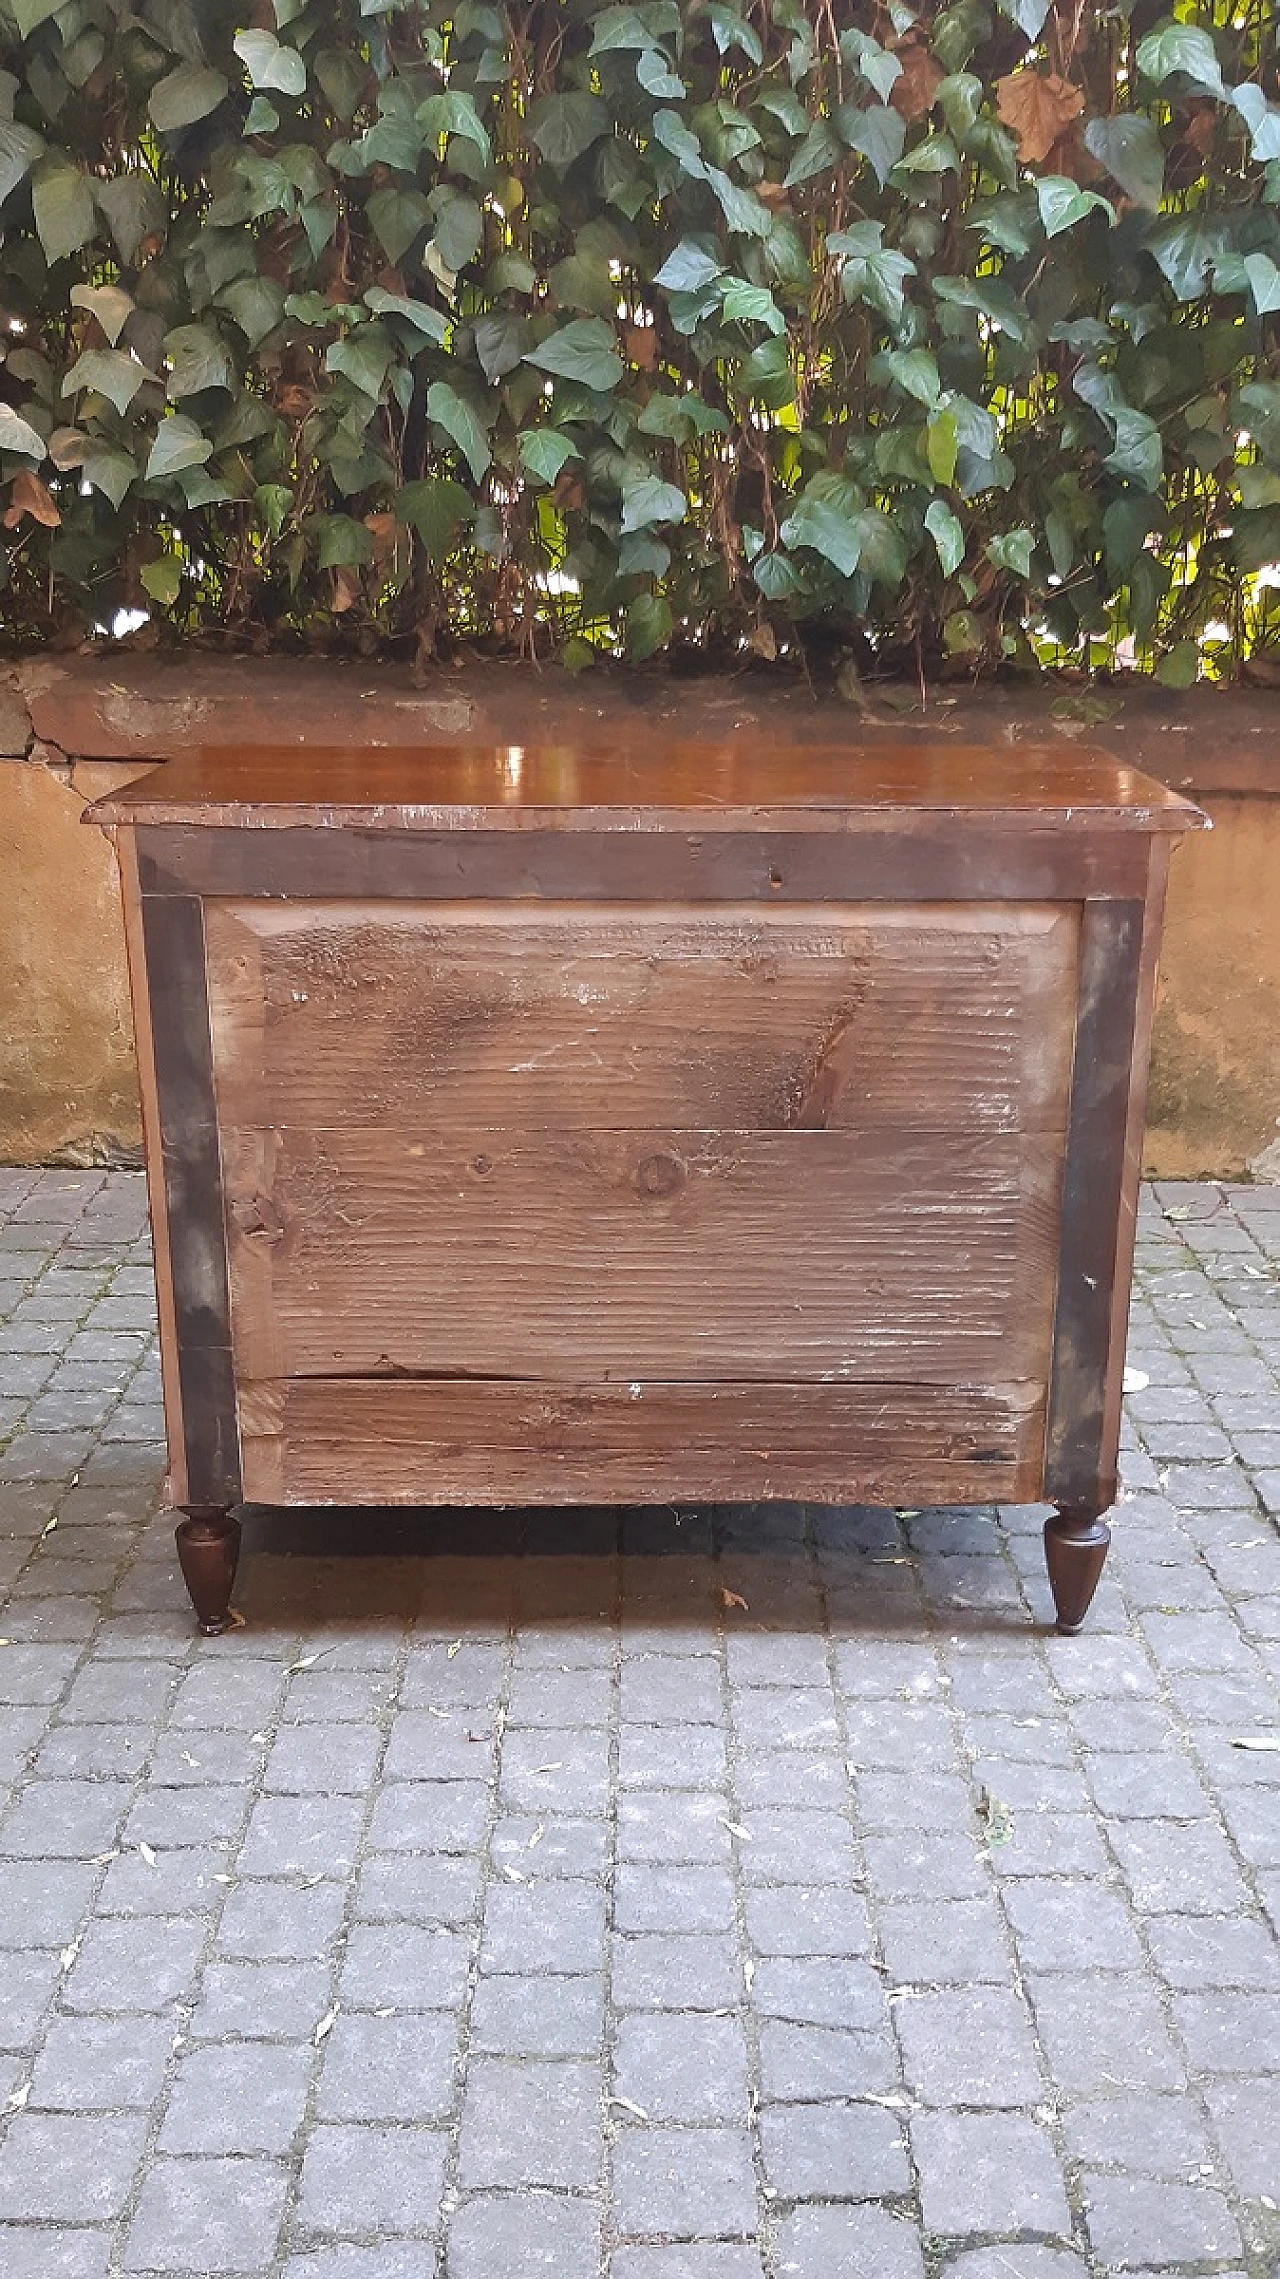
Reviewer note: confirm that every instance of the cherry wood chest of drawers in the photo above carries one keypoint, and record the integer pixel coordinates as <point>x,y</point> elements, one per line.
<point>586,1125</point>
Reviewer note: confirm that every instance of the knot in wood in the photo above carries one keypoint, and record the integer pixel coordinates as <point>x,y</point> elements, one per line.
<point>660,1175</point>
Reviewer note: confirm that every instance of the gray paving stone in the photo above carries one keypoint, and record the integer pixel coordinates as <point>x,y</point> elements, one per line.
<point>1178,1868</point>
<point>68,2167</point>
<point>1131,2219</point>
<point>538,2017</point>
<point>363,2181</point>
<point>143,1966</point>
<point>968,2047</point>
<point>552,1927</point>
<point>1104,2033</point>
<point>681,2067</point>
<point>27,1984</point>
<point>673,1972</point>
<point>833,2152</point>
<point>388,2069</point>
<point>529,2123</point>
<point>684,2184</point>
<point>807,1991</point>
<point>240,2099</point>
<point>957,1942</point>
<point>1071,1926</point>
<point>207,2215</point>
<point>1014,2260</point>
<point>523,2236</point>
<point>40,2252</point>
<point>262,2001</point>
<point>1147,2135</point>
<point>705,2261</point>
<point>849,2243</point>
<point>1231,2033</point>
<point>1244,2118</point>
<point>819,1919</point>
<point>404,1966</point>
<point>988,2172</point>
<point>102,2064</point>
<point>1194,1952</point>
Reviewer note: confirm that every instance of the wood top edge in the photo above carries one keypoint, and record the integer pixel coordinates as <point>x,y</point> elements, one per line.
<point>742,783</point>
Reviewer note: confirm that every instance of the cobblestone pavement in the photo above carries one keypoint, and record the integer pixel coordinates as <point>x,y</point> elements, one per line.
<point>674,1896</point>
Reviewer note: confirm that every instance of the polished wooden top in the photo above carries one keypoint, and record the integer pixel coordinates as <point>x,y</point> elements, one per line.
<point>744,783</point>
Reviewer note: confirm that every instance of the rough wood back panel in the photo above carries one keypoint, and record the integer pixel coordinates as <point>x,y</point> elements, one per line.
<point>323,1440</point>
<point>794,1255</point>
<point>338,1013</point>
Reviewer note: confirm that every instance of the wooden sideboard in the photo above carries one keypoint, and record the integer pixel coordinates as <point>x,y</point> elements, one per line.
<point>716,1122</point>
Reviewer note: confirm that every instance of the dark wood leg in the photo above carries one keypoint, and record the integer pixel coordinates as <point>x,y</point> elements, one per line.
<point>1075,1548</point>
<point>208,1551</point>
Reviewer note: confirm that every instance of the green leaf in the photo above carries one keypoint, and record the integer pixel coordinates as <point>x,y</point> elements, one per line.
<point>178,444</point>
<point>914,370</point>
<point>1264,282</point>
<point>583,350</point>
<point>1181,667</point>
<point>342,543</point>
<point>1131,150</point>
<point>648,626</point>
<point>162,579</point>
<point>942,446</point>
<point>694,263</point>
<point>657,78</point>
<point>1262,119</point>
<point>1012,550</point>
<point>112,372</point>
<point>20,147</point>
<point>1030,16</point>
<point>878,135</point>
<point>257,305</point>
<point>109,305</point>
<point>1063,203</point>
<point>28,15</point>
<point>197,359</point>
<point>730,30</point>
<point>1188,249</point>
<point>134,209</point>
<point>185,95</point>
<point>398,217</point>
<point>1185,48</point>
<point>261,118</point>
<point>751,304</point>
<point>873,63</point>
<point>501,338</point>
<point>563,126</point>
<point>818,154</point>
<point>944,528</point>
<point>17,434</point>
<point>451,411</point>
<point>431,323</point>
<point>459,232</point>
<point>109,470</point>
<point>269,64</point>
<point>825,530</point>
<point>454,113</point>
<point>273,501</point>
<point>742,210</point>
<point>767,375</point>
<point>436,510</point>
<point>647,499</point>
<point>577,655</point>
<point>63,204</point>
<point>362,356</point>
<point>543,452</point>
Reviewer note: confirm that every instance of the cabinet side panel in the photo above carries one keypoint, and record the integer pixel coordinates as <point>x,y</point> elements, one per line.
<point>144,1047</point>
<point>173,934</point>
<point>1080,1451</point>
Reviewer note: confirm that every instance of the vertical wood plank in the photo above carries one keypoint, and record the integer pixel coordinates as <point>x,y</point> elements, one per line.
<point>173,933</point>
<point>1080,1451</point>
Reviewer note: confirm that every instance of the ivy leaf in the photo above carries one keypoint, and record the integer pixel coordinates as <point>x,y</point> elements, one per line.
<point>162,579</point>
<point>671,131</point>
<point>398,217</point>
<point>543,452</point>
<point>1262,119</point>
<point>17,434</point>
<point>454,113</point>
<point>818,153</point>
<point>1030,16</point>
<point>436,510</point>
<point>873,63</point>
<point>1184,48</point>
<point>751,304</point>
<point>451,411</point>
<point>111,372</point>
<point>134,209</point>
<point>362,356</point>
<point>563,126</point>
<point>20,147</point>
<point>693,264</point>
<point>583,350</point>
<point>431,323</point>
<point>197,360</point>
<point>1063,203</point>
<point>647,499</point>
<point>109,470</point>
<point>501,338</point>
<point>1264,282</point>
<point>110,305</point>
<point>1012,550</point>
<point>1130,149</point>
<point>1188,248</point>
<point>1138,451</point>
<point>185,95</point>
<point>459,232</point>
<point>729,30</point>
<point>178,444</point>
<point>63,205</point>
<point>944,528</point>
<point>256,304</point>
<point>1180,668</point>
<point>648,626</point>
<point>825,530</point>
<point>878,134</point>
<point>914,370</point>
<point>269,64</point>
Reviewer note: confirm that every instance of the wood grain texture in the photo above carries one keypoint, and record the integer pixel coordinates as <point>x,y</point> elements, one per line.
<point>740,783</point>
<point>795,1255</point>
<point>330,1014</point>
<point>347,1440</point>
<point>960,858</point>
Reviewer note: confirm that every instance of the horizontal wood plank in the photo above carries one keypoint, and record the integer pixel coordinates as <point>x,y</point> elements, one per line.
<point>797,1255</point>
<point>334,1013</point>
<point>346,1440</point>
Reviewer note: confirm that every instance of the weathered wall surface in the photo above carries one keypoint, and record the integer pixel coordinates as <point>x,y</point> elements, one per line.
<point>71,727</point>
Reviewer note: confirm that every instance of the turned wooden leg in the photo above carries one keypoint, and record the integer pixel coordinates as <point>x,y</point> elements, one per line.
<point>1075,1549</point>
<point>208,1551</point>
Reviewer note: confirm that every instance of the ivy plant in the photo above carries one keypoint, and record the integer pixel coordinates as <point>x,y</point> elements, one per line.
<point>919,334</point>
